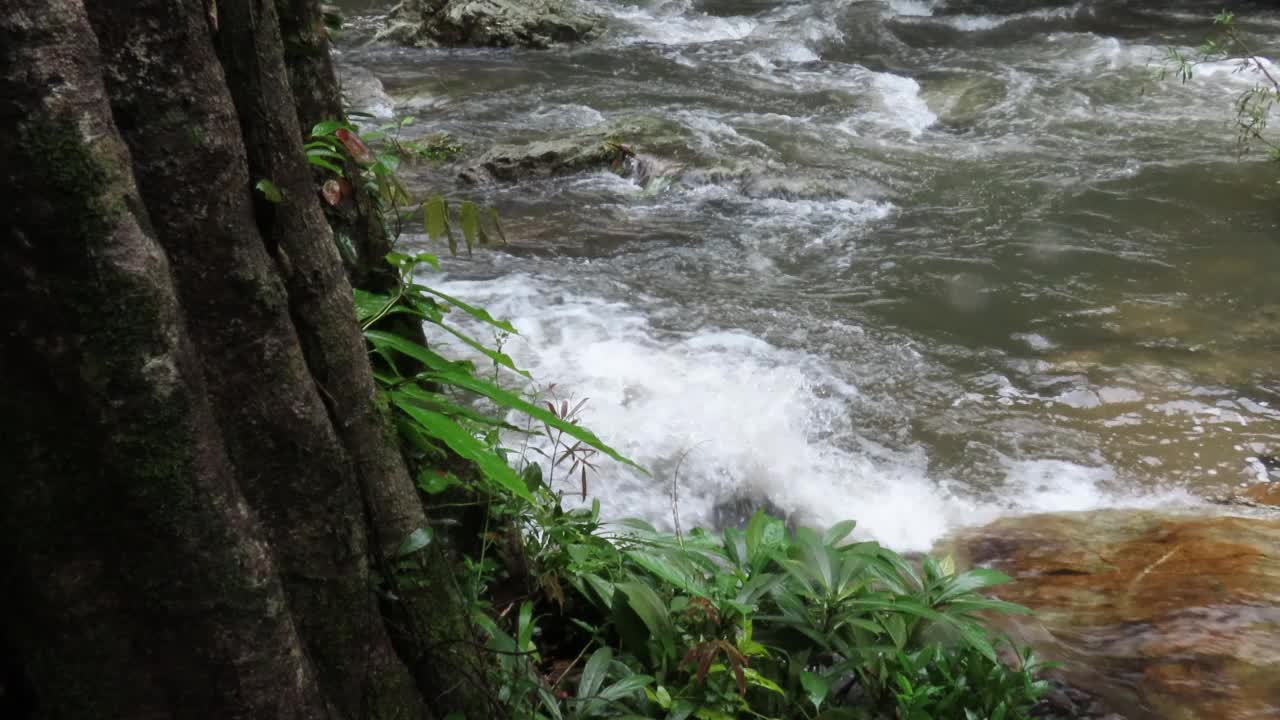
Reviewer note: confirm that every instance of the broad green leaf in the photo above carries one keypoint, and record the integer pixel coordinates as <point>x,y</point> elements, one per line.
<point>467,446</point>
<point>896,626</point>
<point>469,220</point>
<point>975,636</point>
<point>515,402</point>
<point>327,165</point>
<point>478,313</point>
<point>524,627</point>
<point>428,358</point>
<point>814,556</point>
<point>753,677</point>
<point>735,547</point>
<point>549,702</point>
<point>594,672</point>
<point>816,688</point>
<point>668,572</point>
<point>838,532</point>
<point>968,582</point>
<point>624,687</point>
<point>369,304</point>
<point>638,524</point>
<point>435,217</point>
<point>327,127</point>
<point>441,404</point>
<point>325,152</point>
<point>498,357</point>
<point>603,589</point>
<point>497,225</point>
<point>651,610</point>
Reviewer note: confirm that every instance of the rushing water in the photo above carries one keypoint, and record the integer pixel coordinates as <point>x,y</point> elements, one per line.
<point>910,264</point>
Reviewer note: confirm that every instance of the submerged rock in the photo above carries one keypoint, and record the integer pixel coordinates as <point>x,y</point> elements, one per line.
<point>542,159</point>
<point>1264,493</point>
<point>1167,617</point>
<point>362,91</point>
<point>612,146</point>
<point>490,23</point>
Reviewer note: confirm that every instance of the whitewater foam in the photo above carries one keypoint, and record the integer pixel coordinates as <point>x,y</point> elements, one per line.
<point>677,28</point>
<point>743,420</point>
<point>912,7</point>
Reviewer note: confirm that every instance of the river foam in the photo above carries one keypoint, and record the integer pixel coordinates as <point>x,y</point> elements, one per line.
<point>736,421</point>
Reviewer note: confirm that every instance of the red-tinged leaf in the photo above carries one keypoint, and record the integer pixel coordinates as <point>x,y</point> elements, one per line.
<point>584,482</point>
<point>332,192</point>
<point>708,656</point>
<point>564,409</point>
<point>354,145</point>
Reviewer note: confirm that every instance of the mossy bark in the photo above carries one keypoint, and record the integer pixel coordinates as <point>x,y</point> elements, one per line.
<point>137,581</point>
<point>205,500</point>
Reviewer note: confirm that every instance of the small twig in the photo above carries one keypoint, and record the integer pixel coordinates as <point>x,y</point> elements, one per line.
<point>569,669</point>
<point>675,492</point>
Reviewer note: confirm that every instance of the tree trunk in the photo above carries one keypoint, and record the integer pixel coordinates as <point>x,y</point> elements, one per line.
<point>137,580</point>
<point>206,499</point>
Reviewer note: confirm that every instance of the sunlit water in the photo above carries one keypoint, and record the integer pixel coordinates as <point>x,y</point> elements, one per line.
<point>910,265</point>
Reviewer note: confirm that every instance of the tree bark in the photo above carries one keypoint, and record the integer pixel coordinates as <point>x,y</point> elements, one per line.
<point>137,580</point>
<point>169,92</point>
<point>206,499</point>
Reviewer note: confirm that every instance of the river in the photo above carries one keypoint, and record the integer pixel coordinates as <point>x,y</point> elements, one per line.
<point>908,264</point>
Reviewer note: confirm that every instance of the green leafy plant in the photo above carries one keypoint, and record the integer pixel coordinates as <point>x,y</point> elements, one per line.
<point>1254,106</point>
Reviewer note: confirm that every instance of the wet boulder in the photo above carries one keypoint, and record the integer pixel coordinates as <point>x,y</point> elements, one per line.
<point>1264,493</point>
<point>615,146</point>
<point>543,159</point>
<point>362,91</point>
<point>490,23</point>
<point>1168,617</point>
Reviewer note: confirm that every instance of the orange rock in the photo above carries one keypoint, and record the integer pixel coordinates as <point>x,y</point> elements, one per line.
<point>1169,617</point>
<point>1267,493</point>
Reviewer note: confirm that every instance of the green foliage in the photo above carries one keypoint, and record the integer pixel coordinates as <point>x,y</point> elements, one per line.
<point>1254,106</point>
<point>763,622</point>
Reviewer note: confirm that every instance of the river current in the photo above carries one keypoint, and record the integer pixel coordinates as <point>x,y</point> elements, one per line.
<point>915,263</point>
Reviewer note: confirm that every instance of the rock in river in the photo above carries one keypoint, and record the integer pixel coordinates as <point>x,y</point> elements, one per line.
<point>490,23</point>
<point>613,145</point>
<point>1168,617</point>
